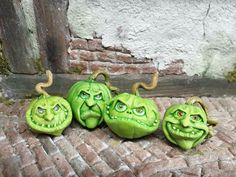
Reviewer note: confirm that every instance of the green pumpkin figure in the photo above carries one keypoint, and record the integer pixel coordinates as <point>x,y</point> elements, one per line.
<point>187,125</point>
<point>48,114</point>
<point>87,99</point>
<point>131,116</point>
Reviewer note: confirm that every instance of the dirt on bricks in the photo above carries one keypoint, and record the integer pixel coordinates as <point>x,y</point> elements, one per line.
<point>84,153</point>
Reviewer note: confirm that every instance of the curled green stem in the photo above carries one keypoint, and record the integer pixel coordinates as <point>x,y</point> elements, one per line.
<point>107,79</point>
<point>39,87</point>
<point>145,86</point>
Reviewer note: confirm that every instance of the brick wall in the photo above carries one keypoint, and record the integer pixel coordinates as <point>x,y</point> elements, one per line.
<point>87,55</point>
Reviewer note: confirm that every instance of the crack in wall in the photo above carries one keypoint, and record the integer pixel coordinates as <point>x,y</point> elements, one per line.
<point>204,19</point>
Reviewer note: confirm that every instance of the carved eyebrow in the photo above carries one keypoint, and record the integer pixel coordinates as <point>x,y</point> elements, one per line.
<point>179,109</point>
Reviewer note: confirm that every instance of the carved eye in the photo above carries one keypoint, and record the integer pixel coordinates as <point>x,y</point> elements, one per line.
<point>56,108</point>
<point>98,96</point>
<point>84,95</point>
<point>140,111</point>
<point>196,118</point>
<point>41,110</point>
<point>179,114</point>
<point>120,107</point>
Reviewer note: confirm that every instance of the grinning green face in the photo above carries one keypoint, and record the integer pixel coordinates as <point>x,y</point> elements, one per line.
<point>87,99</point>
<point>49,114</point>
<point>185,125</point>
<point>131,116</point>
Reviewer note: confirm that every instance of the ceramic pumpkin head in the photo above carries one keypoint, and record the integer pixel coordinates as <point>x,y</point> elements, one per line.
<point>48,114</point>
<point>187,125</point>
<point>87,99</point>
<point>131,116</point>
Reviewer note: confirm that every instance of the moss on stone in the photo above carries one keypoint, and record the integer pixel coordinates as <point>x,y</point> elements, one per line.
<point>6,101</point>
<point>38,66</point>
<point>231,75</point>
<point>4,66</point>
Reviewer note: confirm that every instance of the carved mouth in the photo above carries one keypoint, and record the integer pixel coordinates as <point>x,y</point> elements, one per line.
<point>189,133</point>
<point>89,114</point>
<point>115,118</point>
<point>50,125</point>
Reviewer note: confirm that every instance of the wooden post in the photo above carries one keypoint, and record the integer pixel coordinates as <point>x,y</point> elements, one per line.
<point>15,39</point>
<point>53,33</point>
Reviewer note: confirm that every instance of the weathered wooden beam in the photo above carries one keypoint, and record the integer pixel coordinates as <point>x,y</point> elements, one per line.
<point>14,36</point>
<point>20,86</point>
<point>53,33</point>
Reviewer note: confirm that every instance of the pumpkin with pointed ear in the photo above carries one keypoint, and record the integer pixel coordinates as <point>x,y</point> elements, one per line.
<point>48,114</point>
<point>131,116</point>
<point>87,99</point>
<point>187,125</point>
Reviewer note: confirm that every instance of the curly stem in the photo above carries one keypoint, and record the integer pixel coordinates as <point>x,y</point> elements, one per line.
<point>107,79</point>
<point>145,86</point>
<point>39,87</point>
<point>195,99</point>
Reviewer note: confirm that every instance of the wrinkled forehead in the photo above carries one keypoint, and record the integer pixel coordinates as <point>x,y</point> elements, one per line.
<point>90,88</point>
<point>131,100</point>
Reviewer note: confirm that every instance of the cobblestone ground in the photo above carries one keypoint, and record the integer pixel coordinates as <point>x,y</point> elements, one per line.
<point>80,152</point>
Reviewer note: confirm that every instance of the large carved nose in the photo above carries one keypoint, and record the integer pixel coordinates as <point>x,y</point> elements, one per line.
<point>185,122</point>
<point>48,117</point>
<point>90,102</point>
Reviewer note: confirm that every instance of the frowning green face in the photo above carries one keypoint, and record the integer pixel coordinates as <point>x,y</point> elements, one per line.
<point>131,116</point>
<point>87,99</point>
<point>185,125</point>
<point>49,115</point>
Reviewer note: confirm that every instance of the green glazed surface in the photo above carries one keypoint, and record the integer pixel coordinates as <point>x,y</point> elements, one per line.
<point>49,115</point>
<point>130,116</point>
<point>185,125</point>
<point>87,99</point>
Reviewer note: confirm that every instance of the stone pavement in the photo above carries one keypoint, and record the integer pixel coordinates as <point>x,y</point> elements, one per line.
<point>80,152</point>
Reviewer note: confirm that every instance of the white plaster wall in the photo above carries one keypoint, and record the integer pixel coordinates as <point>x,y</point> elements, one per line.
<point>201,33</point>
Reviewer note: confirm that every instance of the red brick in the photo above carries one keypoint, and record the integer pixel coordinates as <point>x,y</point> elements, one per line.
<point>87,55</point>
<point>102,169</point>
<point>107,56</point>
<point>79,44</point>
<point>88,154</point>
<point>74,138</point>
<point>51,172</point>
<point>88,172</point>
<point>62,165</point>
<point>175,67</point>
<point>132,161</point>
<point>31,171</point>
<point>67,149</point>
<point>49,145</point>
<point>170,164</point>
<point>95,45</point>
<point>25,154</point>
<point>122,173</point>
<point>74,54</point>
<point>133,69</point>
<point>148,68</point>
<point>42,159</point>
<point>116,69</point>
<point>95,143</point>
<point>81,66</point>
<point>13,136</point>
<point>6,149</point>
<point>97,65</point>
<point>118,49</point>
<point>210,169</point>
<point>125,58</point>
<point>111,158</point>
<point>11,166</point>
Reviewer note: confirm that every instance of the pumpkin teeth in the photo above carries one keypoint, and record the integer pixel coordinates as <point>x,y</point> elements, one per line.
<point>177,131</point>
